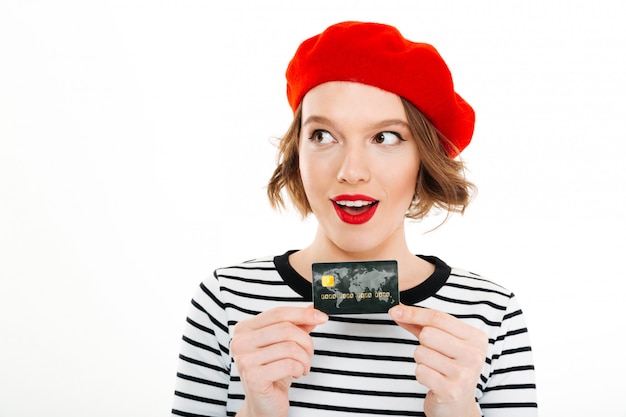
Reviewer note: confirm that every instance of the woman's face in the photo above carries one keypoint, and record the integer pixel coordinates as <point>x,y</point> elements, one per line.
<point>359,165</point>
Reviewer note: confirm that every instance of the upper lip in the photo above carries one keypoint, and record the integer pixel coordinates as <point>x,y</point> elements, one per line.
<point>355,199</point>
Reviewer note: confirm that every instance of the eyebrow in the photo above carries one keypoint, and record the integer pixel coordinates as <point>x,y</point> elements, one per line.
<point>378,125</point>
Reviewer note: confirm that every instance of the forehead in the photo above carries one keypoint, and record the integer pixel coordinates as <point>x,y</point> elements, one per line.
<point>342,100</point>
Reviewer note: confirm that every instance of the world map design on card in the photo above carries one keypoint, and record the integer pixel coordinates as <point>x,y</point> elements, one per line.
<point>355,287</point>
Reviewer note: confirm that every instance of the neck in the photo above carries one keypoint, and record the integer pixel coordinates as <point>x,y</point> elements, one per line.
<point>412,270</point>
<point>323,249</point>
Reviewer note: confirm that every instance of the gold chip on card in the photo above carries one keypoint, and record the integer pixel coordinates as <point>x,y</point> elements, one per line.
<point>328,280</point>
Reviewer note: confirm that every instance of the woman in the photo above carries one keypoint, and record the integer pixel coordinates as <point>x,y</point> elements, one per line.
<point>377,125</point>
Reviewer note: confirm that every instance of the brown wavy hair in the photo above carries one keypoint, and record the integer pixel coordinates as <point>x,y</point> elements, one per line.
<point>440,182</point>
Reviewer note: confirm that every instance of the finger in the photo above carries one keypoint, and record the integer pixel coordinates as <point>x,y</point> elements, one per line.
<point>440,373</point>
<point>448,378</point>
<point>445,333</point>
<point>281,351</point>
<point>415,318</point>
<point>260,377</point>
<point>297,315</point>
<point>310,327</point>
<point>430,377</point>
<point>414,329</point>
<point>277,333</point>
<point>443,342</point>
<point>434,360</point>
<point>250,365</point>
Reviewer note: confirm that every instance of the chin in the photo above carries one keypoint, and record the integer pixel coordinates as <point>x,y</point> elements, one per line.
<point>358,247</point>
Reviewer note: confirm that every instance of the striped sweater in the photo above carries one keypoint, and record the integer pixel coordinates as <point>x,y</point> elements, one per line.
<point>363,364</point>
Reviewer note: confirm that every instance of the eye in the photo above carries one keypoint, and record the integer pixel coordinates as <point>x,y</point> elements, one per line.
<point>387,138</point>
<point>322,137</point>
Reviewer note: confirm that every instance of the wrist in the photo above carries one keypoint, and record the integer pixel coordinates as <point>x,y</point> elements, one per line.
<point>469,408</point>
<point>247,410</point>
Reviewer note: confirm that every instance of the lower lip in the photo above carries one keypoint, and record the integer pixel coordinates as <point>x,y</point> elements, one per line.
<point>360,218</point>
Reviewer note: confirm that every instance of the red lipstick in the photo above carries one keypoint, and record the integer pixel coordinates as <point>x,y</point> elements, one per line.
<point>355,208</point>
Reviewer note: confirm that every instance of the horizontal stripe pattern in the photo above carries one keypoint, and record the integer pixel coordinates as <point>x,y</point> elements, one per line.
<point>363,364</point>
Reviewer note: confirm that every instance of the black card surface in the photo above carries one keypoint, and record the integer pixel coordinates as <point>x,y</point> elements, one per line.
<point>355,287</point>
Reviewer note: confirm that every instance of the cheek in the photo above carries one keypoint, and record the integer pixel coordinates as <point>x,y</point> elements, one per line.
<point>305,171</point>
<point>310,176</point>
<point>405,189</point>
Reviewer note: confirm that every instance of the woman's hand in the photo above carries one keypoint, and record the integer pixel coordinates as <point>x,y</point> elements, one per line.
<point>449,359</point>
<point>270,350</point>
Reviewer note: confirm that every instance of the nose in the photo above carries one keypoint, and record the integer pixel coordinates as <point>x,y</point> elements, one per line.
<point>354,166</point>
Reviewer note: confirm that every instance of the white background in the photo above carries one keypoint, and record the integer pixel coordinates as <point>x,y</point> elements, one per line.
<point>135,143</point>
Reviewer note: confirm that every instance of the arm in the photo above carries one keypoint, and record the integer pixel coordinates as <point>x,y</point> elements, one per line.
<point>510,387</point>
<point>204,363</point>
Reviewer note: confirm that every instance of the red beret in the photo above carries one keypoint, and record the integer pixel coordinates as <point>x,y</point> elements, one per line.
<point>378,55</point>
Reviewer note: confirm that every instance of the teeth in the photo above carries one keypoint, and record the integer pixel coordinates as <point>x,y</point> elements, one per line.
<point>357,203</point>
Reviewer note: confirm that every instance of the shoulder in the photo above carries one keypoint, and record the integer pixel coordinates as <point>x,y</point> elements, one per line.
<point>460,283</point>
<point>469,288</point>
<point>250,287</point>
<point>464,279</point>
<point>265,263</point>
<point>260,270</point>
<point>476,299</point>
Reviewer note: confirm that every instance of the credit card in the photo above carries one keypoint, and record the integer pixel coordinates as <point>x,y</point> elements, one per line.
<point>355,287</point>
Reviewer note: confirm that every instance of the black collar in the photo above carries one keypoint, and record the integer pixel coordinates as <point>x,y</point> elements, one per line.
<point>414,295</point>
